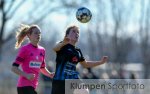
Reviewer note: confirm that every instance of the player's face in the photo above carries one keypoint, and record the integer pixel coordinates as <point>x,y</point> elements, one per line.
<point>73,34</point>
<point>35,36</point>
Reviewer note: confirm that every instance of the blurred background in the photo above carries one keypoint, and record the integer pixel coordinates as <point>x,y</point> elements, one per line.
<point>119,29</point>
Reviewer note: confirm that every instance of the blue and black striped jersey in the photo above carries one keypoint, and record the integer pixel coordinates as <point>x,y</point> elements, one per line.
<point>66,60</point>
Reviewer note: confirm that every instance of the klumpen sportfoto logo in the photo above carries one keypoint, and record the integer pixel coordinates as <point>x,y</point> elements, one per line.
<point>109,85</point>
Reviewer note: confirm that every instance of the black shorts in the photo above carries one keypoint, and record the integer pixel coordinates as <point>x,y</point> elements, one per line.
<point>58,87</point>
<point>26,90</point>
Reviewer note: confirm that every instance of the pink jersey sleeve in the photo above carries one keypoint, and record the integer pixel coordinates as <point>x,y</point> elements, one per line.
<point>20,56</point>
<point>43,63</point>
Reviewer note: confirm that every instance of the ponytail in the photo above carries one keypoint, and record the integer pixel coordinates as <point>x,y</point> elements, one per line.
<point>21,34</point>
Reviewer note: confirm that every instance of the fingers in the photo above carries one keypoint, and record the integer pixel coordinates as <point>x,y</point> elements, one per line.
<point>104,59</point>
<point>66,40</point>
<point>52,75</point>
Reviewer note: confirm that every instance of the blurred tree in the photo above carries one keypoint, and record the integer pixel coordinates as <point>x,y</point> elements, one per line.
<point>144,34</point>
<point>4,19</point>
<point>121,42</point>
<point>117,17</point>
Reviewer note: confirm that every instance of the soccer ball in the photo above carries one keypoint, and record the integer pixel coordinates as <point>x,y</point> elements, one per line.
<point>83,15</point>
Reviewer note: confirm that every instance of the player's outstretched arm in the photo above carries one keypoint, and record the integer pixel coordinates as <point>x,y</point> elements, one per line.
<point>46,72</point>
<point>89,64</point>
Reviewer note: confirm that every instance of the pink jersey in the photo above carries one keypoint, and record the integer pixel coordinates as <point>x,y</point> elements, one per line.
<point>31,59</point>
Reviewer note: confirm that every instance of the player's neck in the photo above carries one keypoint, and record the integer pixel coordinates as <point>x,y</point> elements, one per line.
<point>34,44</point>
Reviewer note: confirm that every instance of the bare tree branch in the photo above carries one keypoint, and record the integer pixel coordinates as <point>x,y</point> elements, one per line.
<point>15,9</point>
<point>10,6</point>
<point>45,14</point>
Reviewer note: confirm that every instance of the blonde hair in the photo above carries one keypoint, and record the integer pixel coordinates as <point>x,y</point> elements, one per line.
<point>22,33</point>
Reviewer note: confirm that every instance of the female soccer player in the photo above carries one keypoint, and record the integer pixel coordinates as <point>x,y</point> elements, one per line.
<point>31,57</point>
<point>68,56</point>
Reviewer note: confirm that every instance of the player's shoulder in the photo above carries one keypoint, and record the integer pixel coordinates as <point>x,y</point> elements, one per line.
<point>41,47</point>
<point>78,48</point>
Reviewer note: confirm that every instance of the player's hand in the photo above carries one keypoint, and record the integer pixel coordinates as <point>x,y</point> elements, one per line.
<point>30,76</point>
<point>52,75</point>
<point>66,40</point>
<point>104,59</point>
